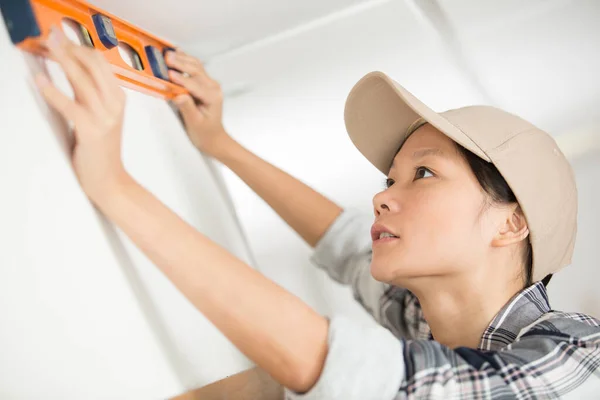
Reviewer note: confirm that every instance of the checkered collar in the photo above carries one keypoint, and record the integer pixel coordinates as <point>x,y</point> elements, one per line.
<point>522,310</point>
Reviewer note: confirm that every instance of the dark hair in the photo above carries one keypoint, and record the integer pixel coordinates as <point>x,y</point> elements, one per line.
<point>494,184</point>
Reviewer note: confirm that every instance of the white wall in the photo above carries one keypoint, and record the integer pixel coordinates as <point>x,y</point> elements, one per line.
<point>83,313</point>
<point>576,288</point>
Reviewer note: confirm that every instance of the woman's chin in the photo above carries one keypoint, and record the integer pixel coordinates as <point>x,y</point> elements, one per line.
<point>385,261</point>
<point>380,272</point>
<point>392,270</point>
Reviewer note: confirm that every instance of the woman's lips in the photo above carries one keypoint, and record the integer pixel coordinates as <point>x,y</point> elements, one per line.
<point>376,234</point>
<point>385,240</point>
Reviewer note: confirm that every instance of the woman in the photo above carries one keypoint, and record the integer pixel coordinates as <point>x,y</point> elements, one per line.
<point>480,207</point>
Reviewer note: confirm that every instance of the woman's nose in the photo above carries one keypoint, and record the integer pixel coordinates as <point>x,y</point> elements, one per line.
<point>384,202</point>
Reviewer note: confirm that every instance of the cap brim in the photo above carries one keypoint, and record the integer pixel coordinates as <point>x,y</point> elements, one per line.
<point>379,113</point>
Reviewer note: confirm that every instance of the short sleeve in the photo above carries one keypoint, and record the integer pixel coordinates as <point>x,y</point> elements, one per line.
<point>363,362</point>
<point>344,252</point>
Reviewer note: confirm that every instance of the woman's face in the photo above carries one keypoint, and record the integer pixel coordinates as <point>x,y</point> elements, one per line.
<point>434,208</point>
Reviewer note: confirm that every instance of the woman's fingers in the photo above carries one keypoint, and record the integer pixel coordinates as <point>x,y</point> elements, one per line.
<point>173,61</point>
<point>186,64</point>
<point>66,107</point>
<point>98,69</point>
<point>195,88</point>
<point>65,53</point>
<point>194,78</point>
<point>187,108</point>
<point>97,113</point>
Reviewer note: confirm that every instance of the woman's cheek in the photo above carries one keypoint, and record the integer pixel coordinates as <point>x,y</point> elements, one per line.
<point>438,223</point>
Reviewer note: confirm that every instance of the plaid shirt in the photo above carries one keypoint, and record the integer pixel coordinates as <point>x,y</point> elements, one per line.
<point>527,351</point>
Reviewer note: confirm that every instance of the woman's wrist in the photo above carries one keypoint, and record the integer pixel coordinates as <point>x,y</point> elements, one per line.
<point>225,150</point>
<point>113,189</point>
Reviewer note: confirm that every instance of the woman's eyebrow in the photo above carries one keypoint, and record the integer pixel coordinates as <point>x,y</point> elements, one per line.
<point>429,152</point>
<point>432,151</point>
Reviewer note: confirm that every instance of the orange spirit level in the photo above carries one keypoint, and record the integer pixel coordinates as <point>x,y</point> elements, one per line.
<point>29,23</point>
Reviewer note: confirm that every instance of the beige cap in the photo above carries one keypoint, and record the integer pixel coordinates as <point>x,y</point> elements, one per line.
<point>380,114</point>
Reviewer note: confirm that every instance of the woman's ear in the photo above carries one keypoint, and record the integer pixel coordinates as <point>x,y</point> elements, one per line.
<point>513,229</point>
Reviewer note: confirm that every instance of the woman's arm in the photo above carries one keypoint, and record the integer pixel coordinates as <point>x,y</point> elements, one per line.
<point>305,210</point>
<point>272,327</point>
<point>308,212</point>
<point>251,384</point>
<point>276,330</point>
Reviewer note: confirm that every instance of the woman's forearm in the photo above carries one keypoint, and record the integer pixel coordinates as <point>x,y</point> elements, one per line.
<point>269,325</point>
<point>305,210</point>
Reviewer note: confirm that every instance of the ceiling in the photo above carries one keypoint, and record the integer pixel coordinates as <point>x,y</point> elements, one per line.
<point>539,55</point>
<point>538,59</point>
<point>219,26</point>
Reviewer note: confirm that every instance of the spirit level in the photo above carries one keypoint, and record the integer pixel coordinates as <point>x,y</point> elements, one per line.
<point>29,23</point>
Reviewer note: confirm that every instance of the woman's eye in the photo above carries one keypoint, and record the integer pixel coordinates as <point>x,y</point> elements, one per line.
<point>389,182</point>
<point>422,172</point>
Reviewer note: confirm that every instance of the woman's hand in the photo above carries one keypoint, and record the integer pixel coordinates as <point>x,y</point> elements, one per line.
<point>202,112</point>
<point>96,113</point>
